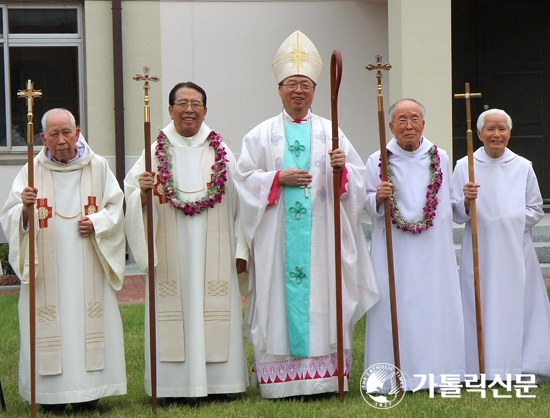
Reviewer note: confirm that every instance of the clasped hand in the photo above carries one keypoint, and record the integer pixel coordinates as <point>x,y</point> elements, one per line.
<point>301,178</point>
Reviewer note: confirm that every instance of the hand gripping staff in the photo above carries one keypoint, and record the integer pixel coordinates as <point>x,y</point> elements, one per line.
<point>150,239</point>
<point>473,217</point>
<point>29,94</point>
<point>335,79</point>
<point>387,216</point>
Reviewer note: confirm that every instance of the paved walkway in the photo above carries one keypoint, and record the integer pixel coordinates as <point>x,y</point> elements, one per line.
<point>133,290</point>
<point>8,290</point>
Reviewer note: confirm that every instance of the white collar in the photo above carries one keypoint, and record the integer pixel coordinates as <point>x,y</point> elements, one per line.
<point>289,118</point>
<point>178,140</point>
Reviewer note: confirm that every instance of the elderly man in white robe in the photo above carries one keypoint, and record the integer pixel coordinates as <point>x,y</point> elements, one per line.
<point>199,249</point>
<point>429,311</point>
<point>514,304</point>
<point>80,261</point>
<point>284,180</point>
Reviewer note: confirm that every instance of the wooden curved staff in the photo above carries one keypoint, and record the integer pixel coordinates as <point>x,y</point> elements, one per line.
<point>387,215</point>
<point>150,239</point>
<point>473,223</point>
<point>335,79</point>
<point>29,94</point>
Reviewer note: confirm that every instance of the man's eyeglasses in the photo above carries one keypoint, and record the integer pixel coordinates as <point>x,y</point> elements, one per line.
<point>405,122</point>
<point>293,86</point>
<point>183,105</point>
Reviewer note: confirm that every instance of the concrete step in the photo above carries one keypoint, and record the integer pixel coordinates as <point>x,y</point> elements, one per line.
<point>543,251</point>
<point>542,248</point>
<point>541,233</point>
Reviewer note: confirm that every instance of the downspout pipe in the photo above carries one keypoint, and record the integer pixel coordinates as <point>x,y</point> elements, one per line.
<point>120,153</point>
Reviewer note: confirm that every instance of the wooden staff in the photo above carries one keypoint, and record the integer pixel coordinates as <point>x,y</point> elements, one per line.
<point>150,239</point>
<point>29,94</point>
<point>387,216</point>
<point>335,79</point>
<point>473,217</point>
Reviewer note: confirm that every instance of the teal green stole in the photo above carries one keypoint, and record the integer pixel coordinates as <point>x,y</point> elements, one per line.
<point>297,240</point>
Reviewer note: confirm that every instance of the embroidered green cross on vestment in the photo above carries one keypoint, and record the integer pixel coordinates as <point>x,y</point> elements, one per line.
<point>297,148</point>
<point>298,274</point>
<point>298,210</point>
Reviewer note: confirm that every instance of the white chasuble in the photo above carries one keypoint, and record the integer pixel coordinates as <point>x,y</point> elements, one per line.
<point>277,373</point>
<point>80,349</point>
<point>195,259</point>
<point>509,205</point>
<point>429,311</point>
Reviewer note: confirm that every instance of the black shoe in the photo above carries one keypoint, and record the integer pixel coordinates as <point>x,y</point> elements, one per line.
<point>169,402</point>
<point>219,397</point>
<point>90,406</point>
<point>53,407</point>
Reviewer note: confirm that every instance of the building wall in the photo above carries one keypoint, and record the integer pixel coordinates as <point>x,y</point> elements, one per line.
<point>228,47</point>
<point>141,47</point>
<point>420,52</point>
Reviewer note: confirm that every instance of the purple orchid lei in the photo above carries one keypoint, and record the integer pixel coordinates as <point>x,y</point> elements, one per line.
<point>432,201</point>
<point>215,188</point>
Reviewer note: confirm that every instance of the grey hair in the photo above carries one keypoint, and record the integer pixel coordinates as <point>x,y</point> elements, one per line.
<point>55,110</point>
<point>390,112</point>
<point>481,118</point>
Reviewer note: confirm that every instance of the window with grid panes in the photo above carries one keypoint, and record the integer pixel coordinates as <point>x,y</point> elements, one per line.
<point>43,43</point>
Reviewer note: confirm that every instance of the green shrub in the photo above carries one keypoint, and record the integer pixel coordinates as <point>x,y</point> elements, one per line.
<point>6,266</point>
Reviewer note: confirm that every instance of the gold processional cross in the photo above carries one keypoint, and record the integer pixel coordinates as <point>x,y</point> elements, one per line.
<point>379,67</point>
<point>29,94</point>
<point>146,78</point>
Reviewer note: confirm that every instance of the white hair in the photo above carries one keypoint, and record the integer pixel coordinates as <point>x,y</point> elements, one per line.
<point>423,109</point>
<point>481,118</point>
<point>57,109</point>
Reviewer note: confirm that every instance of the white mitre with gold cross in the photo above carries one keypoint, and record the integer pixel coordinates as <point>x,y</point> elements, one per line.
<point>297,56</point>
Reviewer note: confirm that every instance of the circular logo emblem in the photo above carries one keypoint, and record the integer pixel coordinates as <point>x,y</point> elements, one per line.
<point>380,385</point>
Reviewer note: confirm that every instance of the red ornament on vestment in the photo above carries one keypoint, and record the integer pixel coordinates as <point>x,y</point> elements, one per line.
<point>158,190</point>
<point>91,207</point>
<point>44,212</point>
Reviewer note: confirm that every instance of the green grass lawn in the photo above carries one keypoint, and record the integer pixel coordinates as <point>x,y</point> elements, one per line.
<point>250,404</point>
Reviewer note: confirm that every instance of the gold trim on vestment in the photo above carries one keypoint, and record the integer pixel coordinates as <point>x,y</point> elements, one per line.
<point>193,191</point>
<point>67,217</point>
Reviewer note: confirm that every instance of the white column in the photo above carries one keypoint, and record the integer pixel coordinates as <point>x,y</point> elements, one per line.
<point>420,54</point>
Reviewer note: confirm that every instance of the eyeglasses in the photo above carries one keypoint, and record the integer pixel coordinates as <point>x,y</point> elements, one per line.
<point>195,105</point>
<point>404,122</point>
<point>293,86</point>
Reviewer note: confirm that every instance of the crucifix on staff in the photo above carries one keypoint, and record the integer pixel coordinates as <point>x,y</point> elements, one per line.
<point>29,95</point>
